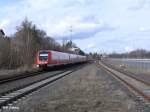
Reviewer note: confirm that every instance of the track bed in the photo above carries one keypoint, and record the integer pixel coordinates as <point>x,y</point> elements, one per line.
<point>90,89</point>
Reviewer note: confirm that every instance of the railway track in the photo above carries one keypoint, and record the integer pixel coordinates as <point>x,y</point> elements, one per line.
<point>139,87</point>
<point>142,77</point>
<point>28,81</point>
<point>29,74</point>
<point>20,76</point>
<point>14,94</point>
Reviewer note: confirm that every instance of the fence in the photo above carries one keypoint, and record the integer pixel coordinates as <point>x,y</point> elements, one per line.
<point>132,65</point>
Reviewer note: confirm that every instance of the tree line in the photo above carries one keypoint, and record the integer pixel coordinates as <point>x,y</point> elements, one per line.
<point>138,53</point>
<point>20,48</point>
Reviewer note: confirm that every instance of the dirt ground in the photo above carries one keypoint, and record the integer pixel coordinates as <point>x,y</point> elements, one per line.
<point>90,89</point>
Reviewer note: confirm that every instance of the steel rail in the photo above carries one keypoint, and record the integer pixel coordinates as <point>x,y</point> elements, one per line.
<point>135,89</point>
<point>20,92</point>
<point>128,74</point>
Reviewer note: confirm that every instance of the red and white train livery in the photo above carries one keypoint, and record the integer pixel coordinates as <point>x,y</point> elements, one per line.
<point>46,58</point>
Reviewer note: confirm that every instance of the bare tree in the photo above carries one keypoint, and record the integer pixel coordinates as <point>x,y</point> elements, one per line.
<point>20,49</point>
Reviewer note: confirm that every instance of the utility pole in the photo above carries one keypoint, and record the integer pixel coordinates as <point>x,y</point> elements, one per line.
<point>71,30</point>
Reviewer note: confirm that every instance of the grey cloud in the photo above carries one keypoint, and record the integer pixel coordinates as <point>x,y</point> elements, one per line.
<point>71,3</point>
<point>90,18</point>
<point>89,33</point>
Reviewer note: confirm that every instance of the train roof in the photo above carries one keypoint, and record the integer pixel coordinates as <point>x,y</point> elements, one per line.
<point>57,51</point>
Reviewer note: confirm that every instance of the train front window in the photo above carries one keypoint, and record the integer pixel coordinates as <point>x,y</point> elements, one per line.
<point>43,57</point>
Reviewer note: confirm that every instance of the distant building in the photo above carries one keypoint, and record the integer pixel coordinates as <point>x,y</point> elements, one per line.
<point>2,34</point>
<point>74,50</point>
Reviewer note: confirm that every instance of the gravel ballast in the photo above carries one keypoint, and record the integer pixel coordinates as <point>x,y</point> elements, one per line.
<point>90,89</point>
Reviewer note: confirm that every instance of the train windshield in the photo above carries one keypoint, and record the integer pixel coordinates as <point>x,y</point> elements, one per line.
<point>43,56</point>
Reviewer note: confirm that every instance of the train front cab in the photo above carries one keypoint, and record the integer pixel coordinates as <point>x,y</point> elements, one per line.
<point>43,59</point>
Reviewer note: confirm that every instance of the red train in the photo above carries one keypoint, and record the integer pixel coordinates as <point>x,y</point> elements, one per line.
<point>47,58</point>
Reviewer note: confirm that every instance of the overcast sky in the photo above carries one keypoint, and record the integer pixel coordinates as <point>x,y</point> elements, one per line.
<point>97,25</point>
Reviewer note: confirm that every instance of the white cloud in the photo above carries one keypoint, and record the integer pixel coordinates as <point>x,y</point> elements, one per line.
<point>56,19</point>
<point>129,49</point>
<point>91,21</point>
<point>92,45</point>
<point>139,4</point>
<point>4,23</point>
<point>80,28</point>
<point>145,29</point>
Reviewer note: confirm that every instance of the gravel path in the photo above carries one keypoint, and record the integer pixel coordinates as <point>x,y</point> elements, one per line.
<point>89,89</point>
